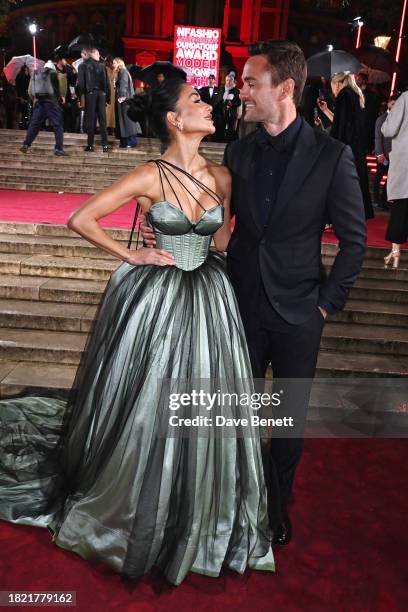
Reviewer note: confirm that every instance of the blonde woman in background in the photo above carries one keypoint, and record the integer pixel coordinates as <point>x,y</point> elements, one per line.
<point>348,126</point>
<point>110,108</point>
<point>126,129</point>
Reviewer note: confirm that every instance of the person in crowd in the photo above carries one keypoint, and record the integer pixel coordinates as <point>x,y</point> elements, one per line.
<point>24,105</point>
<point>110,108</point>
<point>93,83</point>
<point>47,92</point>
<point>67,74</point>
<point>382,148</point>
<point>348,126</point>
<point>395,127</point>
<point>124,90</point>
<point>211,93</point>
<point>371,110</point>
<point>316,88</point>
<point>9,102</point>
<point>227,111</point>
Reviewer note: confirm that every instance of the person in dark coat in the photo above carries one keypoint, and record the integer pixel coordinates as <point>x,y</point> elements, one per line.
<point>348,126</point>
<point>124,90</point>
<point>210,94</point>
<point>382,149</point>
<point>24,110</point>
<point>93,83</point>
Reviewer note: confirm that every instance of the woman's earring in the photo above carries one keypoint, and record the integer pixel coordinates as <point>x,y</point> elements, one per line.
<point>179,126</point>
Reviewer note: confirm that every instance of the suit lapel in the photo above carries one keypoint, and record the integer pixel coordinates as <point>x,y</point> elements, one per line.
<point>303,158</point>
<point>248,173</point>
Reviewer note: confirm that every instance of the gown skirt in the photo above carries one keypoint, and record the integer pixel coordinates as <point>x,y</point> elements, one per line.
<point>102,468</point>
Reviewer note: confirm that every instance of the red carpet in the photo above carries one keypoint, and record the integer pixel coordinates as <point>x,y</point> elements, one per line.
<point>46,207</point>
<point>349,552</point>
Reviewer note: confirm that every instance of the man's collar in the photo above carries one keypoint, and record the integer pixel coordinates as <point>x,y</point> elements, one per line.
<point>283,141</point>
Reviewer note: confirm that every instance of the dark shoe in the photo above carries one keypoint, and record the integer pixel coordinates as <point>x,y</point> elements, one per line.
<point>105,148</point>
<point>59,152</point>
<point>89,149</point>
<point>282,534</point>
<point>24,148</point>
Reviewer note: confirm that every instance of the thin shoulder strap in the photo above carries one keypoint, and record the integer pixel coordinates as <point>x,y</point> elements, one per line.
<point>162,173</point>
<point>161,163</point>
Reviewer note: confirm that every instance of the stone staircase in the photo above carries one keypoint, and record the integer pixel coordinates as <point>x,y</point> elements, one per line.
<point>40,170</point>
<point>51,281</point>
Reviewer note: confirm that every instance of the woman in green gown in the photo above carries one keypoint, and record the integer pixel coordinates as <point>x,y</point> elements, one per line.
<point>108,471</point>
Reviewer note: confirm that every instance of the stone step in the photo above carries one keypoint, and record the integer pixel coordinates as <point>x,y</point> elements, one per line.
<point>360,364</point>
<point>375,268</point>
<point>23,376</point>
<point>27,186</point>
<point>56,347</point>
<point>51,229</point>
<point>46,289</point>
<point>61,267</point>
<point>24,314</point>
<point>62,184</point>
<point>51,245</point>
<point>379,290</point>
<point>382,340</point>
<point>373,313</point>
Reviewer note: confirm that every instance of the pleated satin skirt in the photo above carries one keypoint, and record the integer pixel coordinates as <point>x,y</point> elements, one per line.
<point>105,472</point>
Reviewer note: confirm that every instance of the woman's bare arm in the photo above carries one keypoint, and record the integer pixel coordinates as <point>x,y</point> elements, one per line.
<point>135,184</point>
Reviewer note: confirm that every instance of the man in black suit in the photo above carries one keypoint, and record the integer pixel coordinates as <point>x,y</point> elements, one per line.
<point>211,93</point>
<point>288,181</point>
<point>93,83</point>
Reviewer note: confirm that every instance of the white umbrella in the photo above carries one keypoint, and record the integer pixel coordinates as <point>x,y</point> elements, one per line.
<point>15,64</point>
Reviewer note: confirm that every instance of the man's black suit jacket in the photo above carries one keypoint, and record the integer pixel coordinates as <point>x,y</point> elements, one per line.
<point>92,75</point>
<point>212,100</point>
<point>320,186</point>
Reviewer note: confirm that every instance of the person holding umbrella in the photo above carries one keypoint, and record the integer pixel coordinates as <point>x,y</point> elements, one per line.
<point>348,126</point>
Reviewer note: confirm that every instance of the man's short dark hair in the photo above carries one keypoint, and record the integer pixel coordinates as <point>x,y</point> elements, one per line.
<point>211,76</point>
<point>286,60</point>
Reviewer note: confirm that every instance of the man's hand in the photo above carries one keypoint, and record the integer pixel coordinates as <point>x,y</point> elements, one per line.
<point>323,312</point>
<point>147,233</point>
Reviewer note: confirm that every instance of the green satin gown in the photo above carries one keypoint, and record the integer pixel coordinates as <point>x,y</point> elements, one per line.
<point>98,469</point>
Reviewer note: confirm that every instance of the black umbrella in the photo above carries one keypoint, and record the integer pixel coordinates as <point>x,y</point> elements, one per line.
<point>330,62</point>
<point>61,51</point>
<point>82,42</point>
<point>135,71</point>
<point>376,58</point>
<point>150,73</point>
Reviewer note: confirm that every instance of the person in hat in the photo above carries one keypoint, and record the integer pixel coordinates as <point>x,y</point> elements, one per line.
<point>47,92</point>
